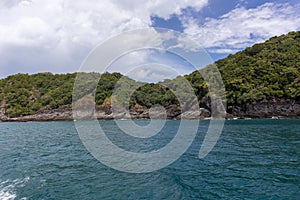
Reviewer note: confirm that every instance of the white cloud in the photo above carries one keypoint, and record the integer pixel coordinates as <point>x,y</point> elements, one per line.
<point>152,73</point>
<point>242,27</point>
<point>161,8</point>
<point>129,61</point>
<point>50,35</point>
<point>151,65</point>
<point>56,35</point>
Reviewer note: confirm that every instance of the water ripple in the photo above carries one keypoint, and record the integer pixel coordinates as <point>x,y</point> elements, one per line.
<point>254,159</point>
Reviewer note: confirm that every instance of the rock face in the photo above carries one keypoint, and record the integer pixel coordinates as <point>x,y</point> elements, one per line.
<point>283,108</point>
<point>2,111</point>
<point>60,114</point>
<point>107,113</point>
<point>269,108</point>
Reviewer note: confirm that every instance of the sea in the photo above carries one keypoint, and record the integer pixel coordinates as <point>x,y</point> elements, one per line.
<point>253,159</point>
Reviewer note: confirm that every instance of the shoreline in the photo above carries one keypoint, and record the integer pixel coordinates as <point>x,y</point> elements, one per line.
<point>263,110</point>
<point>30,118</point>
<point>67,120</point>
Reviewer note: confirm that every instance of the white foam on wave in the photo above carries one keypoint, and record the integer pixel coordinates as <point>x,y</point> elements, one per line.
<point>8,188</point>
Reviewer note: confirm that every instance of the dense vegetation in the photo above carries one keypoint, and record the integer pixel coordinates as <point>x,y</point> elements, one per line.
<point>269,69</point>
<point>266,70</point>
<point>24,94</point>
<point>263,71</point>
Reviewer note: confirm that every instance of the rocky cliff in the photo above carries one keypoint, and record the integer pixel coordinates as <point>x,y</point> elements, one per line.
<point>281,108</point>
<point>275,107</point>
<point>106,113</point>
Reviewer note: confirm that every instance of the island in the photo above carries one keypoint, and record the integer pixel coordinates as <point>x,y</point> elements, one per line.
<point>262,81</point>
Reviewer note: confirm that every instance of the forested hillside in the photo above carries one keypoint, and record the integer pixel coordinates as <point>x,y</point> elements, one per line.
<point>24,94</point>
<point>261,72</point>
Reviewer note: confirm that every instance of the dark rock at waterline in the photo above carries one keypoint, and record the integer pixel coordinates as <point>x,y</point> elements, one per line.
<point>282,108</point>
<point>287,108</point>
<point>107,113</point>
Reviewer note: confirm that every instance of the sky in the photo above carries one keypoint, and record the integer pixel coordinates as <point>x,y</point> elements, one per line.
<point>57,35</point>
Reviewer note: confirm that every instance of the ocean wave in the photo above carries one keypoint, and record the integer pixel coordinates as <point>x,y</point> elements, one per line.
<point>8,188</point>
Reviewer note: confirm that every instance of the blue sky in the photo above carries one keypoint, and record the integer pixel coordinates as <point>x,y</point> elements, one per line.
<point>215,9</point>
<point>57,35</point>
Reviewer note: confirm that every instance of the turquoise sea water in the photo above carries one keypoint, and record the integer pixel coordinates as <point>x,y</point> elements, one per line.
<point>253,159</point>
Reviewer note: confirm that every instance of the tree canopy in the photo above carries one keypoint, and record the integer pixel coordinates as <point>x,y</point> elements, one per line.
<point>265,70</point>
